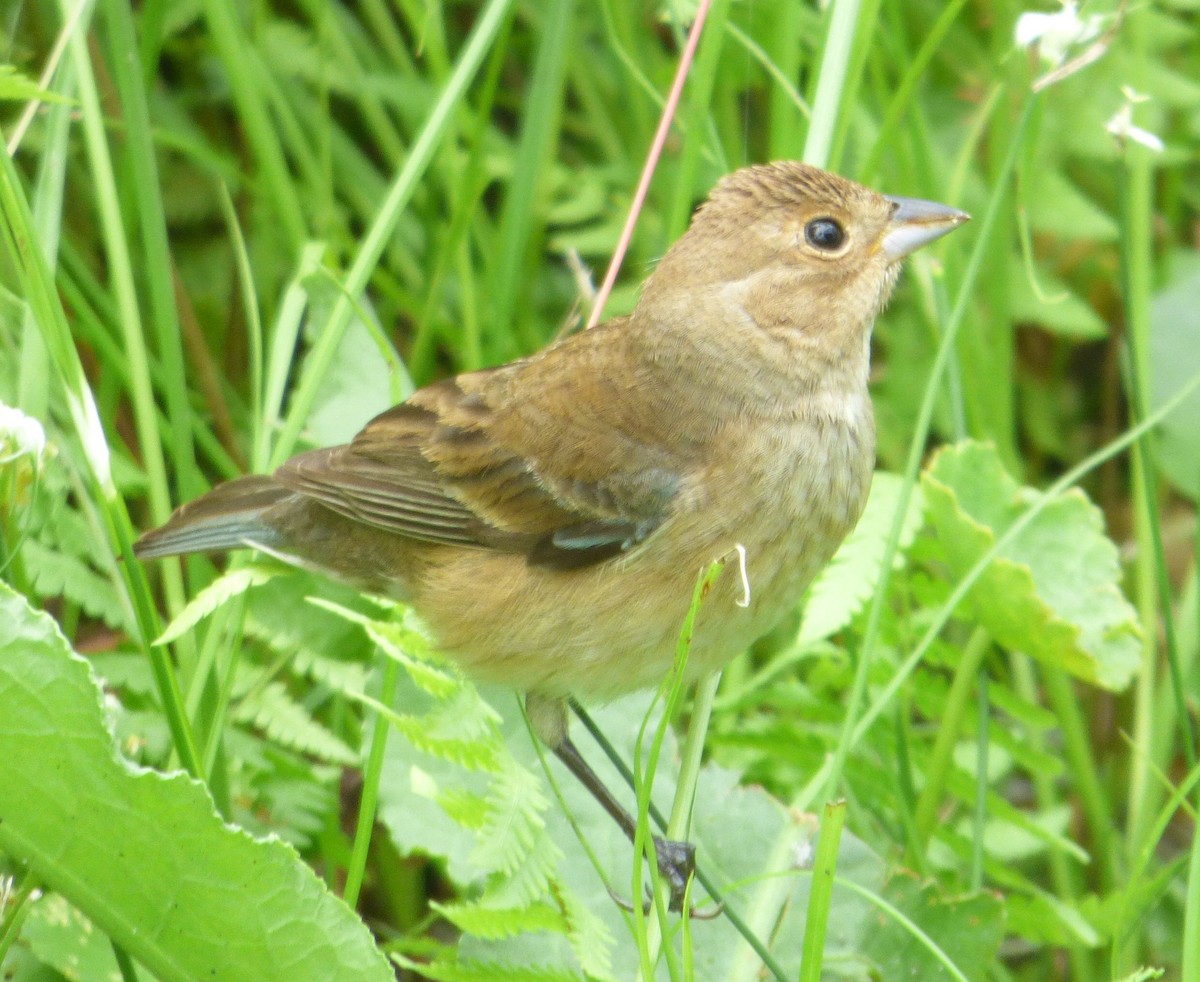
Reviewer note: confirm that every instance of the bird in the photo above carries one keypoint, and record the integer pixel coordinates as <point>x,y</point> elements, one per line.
<point>548,518</point>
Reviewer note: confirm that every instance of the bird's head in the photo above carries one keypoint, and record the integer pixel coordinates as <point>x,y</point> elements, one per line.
<point>809,256</point>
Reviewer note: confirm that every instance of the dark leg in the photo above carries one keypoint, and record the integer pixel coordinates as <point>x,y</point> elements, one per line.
<point>676,860</point>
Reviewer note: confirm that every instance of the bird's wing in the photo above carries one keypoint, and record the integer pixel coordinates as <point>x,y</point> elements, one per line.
<point>542,457</point>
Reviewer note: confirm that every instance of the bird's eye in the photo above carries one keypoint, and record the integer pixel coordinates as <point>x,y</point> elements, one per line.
<point>824,234</point>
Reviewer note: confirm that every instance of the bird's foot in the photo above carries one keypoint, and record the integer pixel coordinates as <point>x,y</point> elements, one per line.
<point>676,864</point>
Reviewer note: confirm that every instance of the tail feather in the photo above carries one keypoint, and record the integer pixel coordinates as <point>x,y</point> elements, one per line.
<point>228,517</point>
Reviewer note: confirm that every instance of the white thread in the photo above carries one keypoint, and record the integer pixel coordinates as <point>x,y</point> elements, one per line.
<point>741,551</point>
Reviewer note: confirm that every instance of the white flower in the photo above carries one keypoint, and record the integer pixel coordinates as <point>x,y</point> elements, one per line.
<point>804,854</point>
<point>20,435</point>
<point>1055,34</point>
<point>1121,125</point>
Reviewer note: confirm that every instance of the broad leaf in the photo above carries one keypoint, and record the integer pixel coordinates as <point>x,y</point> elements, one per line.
<point>1053,592</point>
<point>144,855</point>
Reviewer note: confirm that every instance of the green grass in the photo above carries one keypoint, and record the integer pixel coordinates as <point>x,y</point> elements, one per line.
<point>244,230</point>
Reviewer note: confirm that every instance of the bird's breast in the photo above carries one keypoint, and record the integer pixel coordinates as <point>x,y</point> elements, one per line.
<point>773,499</point>
<point>784,497</point>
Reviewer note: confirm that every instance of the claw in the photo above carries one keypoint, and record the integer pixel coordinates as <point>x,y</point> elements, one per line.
<point>695,913</point>
<point>621,902</point>
<point>676,864</point>
<point>707,913</point>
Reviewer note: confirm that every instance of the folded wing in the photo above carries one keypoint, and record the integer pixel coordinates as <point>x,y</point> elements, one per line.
<point>504,459</point>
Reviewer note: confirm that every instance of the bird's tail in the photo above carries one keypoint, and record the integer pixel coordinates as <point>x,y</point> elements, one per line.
<point>228,517</point>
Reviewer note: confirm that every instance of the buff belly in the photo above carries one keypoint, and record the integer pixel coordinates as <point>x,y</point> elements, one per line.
<point>605,630</point>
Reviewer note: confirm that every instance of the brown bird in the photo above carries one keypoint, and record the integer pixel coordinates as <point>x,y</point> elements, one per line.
<point>548,518</point>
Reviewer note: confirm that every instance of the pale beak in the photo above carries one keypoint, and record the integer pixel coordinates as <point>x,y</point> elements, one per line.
<point>916,223</point>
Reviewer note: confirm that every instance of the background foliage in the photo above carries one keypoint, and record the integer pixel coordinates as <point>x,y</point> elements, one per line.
<point>235,229</point>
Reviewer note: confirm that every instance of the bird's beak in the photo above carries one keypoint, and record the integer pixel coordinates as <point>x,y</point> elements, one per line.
<point>916,223</point>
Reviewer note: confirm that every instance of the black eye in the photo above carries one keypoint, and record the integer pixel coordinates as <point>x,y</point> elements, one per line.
<point>824,234</point>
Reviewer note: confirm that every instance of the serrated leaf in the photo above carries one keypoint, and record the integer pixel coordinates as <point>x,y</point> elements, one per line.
<point>342,676</point>
<point>124,670</point>
<point>403,645</point>
<point>415,822</point>
<point>219,592</point>
<point>60,574</point>
<point>395,641</point>
<point>590,938</point>
<point>1052,592</point>
<point>736,829</point>
<point>527,875</point>
<point>272,710</point>
<point>15,87</point>
<point>144,855</point>
<point>451,969</point>
<point>465,750</point>
<point>484,921</point>
<point>514,821</point>
<point>467,809</point>
<point>296,809</point>
<point>844,586</point>
<point>284,614</point>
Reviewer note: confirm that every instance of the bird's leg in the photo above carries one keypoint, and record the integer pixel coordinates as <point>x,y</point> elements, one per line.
<point>676,861</point>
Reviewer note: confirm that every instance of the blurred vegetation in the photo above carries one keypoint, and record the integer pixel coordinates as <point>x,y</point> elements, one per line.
<point>252,226</point>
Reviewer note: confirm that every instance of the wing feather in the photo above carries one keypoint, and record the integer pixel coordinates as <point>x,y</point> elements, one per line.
<point>463,462</point>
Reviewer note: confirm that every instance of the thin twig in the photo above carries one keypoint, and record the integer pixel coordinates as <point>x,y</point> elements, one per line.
<point>660,138</point>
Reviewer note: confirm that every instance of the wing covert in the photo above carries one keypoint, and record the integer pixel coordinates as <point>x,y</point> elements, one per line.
<point>475,461</point>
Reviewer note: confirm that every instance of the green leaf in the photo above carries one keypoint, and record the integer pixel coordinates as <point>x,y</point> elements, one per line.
<point>452,969</point>
<point>60,574</point>
<point>285,613</point>
<point>402,643</point>
<point>288,723</point>
<point>467,809</point>
<point>1174,341</point>
<point>359,383</point>
<point>459,730</point>
<point>144,855</point>
<point>1144,975</point>
<point>15,87</point>
<point>220,591</point>
<point>1053,592</point>
<point>501,922</point>
<point>63,938</point>
<point>966,928</point>
<point>514,824</point>
<point>1043,918</point>
<point>842,588</point>
<point>1064,210</point>
<point>1056,309</point>
<point>589,937</point>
